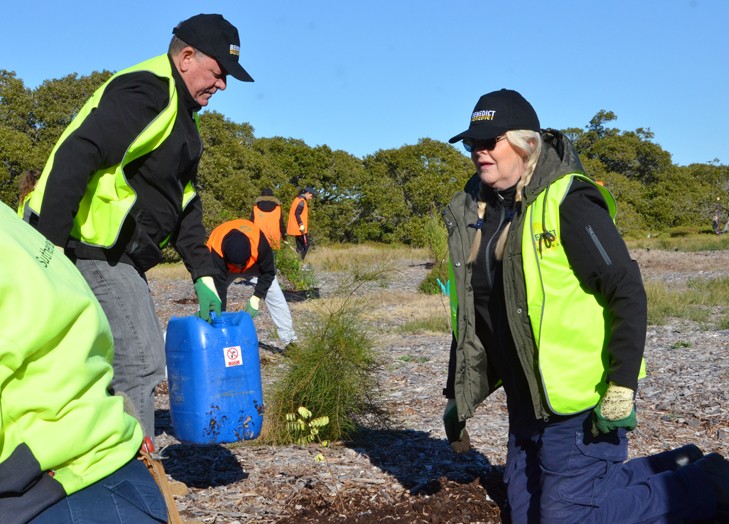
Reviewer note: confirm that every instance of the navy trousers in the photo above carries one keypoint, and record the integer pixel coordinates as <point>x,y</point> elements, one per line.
<point>557,472</point>
<point>128,496</point>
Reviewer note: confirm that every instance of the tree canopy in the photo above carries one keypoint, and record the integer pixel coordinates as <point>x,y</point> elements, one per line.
<point>386,196</point>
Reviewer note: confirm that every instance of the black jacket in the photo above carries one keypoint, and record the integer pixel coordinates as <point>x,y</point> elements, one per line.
<point>130,102</point>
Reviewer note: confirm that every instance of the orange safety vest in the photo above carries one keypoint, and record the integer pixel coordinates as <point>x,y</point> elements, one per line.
<point>269,222</point>
<point>293,226</point>
<point>248,228</point>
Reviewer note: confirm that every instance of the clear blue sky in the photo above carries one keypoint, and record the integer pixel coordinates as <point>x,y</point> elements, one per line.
<point>364,76</point>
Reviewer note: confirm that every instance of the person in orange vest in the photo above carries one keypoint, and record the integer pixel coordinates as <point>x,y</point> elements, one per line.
<point>267,215</point>
<point>298,225</point>
<point>239,249</point>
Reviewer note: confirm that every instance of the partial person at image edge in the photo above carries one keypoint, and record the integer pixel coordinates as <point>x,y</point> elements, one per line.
<point>68,447</point>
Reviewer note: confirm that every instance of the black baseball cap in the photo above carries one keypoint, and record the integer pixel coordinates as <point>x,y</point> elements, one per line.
<point>309,189</point>
<point>236,248</point>
<point>498,112</point>
<point>216,37</point>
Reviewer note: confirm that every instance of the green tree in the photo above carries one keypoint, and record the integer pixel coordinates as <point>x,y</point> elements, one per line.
<point>32,120</point>
<point>404,185</point>
<point>680,198</point>
<point>229,169</point>
<point>629,153</point>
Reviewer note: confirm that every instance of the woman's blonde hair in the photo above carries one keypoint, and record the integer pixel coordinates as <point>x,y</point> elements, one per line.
<point>27,182</point>
<point>528,145</point>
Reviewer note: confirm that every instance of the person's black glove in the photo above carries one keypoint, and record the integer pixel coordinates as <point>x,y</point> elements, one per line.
<point>455,429</point>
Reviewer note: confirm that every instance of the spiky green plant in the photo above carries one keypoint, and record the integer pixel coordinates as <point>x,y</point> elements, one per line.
<point>332,371</point>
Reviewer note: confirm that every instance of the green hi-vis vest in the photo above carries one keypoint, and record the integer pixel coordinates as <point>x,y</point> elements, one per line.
<point>109,197</point>
<point>570,327</point>
<point>56,356</point>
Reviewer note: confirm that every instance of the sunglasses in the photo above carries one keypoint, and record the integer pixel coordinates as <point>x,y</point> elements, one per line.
<point>469,144</point>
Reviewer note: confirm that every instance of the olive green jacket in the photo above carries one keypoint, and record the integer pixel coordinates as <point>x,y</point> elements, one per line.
<point>474,378</point>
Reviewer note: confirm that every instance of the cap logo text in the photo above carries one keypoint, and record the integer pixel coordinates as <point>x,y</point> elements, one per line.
<point>234,50</point>
<point>484,114</point>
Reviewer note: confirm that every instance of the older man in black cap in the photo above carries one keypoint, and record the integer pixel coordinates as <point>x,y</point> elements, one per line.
<point>120,184</point>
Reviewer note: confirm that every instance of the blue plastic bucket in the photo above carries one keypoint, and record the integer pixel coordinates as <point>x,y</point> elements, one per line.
<point>214,379</point>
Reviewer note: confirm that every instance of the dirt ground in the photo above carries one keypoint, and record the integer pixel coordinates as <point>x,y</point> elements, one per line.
<point>408,472</point>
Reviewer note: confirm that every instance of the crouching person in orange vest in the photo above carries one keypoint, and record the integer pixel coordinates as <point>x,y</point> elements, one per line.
<point>240,250</point>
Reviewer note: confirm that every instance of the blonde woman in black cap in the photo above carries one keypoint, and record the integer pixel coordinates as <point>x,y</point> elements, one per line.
<point>120,184</point>
<point>547,303</point>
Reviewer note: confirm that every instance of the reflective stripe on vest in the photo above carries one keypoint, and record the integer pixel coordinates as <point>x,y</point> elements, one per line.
<point>569,326</point>
<point>248,228</point>
<point>109,197</point>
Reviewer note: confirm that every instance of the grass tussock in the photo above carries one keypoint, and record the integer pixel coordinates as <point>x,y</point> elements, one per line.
<point>421,313</point>
<point>437,323</point>
<point>333,371</point>
<point>345,258</point>
<point>680,242</point>
<point>702,300</point>
<point>168,272</point>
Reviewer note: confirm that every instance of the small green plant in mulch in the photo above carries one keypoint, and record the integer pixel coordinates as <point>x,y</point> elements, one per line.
<point>332,371</point>
<point>304,429</point>
<point>417,360</point>
<point>681,344</point>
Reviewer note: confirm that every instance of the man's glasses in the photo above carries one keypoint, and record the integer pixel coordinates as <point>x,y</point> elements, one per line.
<point>469,144</point>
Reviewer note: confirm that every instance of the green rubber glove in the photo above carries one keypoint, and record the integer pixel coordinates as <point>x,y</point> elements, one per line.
<point>208,298</point>
<point>616,409</point>
<point>252,306</point>
<point>455,429</point>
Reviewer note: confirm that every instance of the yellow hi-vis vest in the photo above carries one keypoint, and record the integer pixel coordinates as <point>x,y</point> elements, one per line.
<point>571,329</point>
<point>109,197</point>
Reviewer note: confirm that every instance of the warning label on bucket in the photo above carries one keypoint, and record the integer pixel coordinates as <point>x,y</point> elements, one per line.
<point>232,356</point>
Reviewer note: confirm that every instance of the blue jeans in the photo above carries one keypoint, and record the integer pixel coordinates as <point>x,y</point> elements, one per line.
<point>558,473</point>
<point>128,496</point>
<point>139,348</point>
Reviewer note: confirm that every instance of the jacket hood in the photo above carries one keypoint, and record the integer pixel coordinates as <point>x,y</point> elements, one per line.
<point>558,158</point>
<point>271,199</point>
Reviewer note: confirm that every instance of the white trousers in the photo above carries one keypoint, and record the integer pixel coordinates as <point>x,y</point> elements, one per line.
<point>277,307</point>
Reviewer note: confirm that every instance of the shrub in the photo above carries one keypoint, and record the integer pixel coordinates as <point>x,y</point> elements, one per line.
<point>331,372</point>
<point>288,263</point>
<point>437,244</point>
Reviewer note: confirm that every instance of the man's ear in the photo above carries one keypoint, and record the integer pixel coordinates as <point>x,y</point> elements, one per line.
<point>184,58</point>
